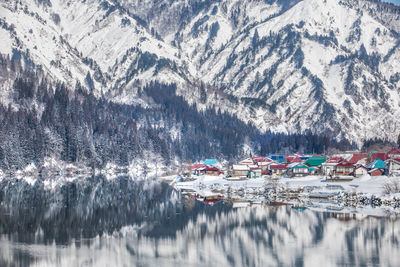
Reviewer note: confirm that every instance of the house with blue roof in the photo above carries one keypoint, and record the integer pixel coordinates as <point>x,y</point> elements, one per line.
<point>277,158</point>
<point>211,162</point>
<point>376,164</point>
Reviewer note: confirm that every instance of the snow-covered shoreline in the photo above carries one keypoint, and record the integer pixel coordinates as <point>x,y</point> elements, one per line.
<point>356,196</point>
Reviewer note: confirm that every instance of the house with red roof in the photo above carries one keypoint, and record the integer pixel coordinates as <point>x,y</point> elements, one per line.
<point>394,153</point>
<point>292,159</point>
<point>197,166</point>
<point>357,157</point>
<point>328,167</point>
<point>278,169</point>
<point>260,159</point>
<point>205,170</point>
<point>248,161</point>
<point>344,168</point>
<point>262,163</point>
<point>379,155</point>
<point>211,171</point>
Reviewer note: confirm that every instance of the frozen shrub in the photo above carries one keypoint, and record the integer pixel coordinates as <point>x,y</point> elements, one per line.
<point>391,186</point>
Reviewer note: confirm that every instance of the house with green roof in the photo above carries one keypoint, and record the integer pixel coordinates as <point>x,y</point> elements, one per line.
<point>315,161</point>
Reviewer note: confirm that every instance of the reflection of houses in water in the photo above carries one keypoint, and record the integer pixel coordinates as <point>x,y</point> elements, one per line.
<point>347,216</point>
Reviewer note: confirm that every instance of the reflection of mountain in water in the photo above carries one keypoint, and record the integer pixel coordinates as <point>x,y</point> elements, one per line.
<point>275,236</point>
<point>174,233</point>
<point>82,208</point>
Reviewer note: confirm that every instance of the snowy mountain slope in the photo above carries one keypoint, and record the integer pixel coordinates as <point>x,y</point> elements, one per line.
<point>330,67</point>
<point>319,65</point>
<point>96,43</point>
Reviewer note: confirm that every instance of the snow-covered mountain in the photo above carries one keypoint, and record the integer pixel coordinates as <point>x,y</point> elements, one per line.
<point>285,65</point>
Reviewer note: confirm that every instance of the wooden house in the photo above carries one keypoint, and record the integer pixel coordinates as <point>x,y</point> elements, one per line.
<point>240,170</point>
<point>211,171</point>
<point>344,168</point>
<point>277,169</point>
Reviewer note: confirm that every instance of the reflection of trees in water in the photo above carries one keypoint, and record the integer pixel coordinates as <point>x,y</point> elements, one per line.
<point>84,208</point>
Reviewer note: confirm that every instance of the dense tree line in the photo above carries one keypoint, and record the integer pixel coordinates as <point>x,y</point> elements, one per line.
<point>375,143</point>
<point>51,120</point>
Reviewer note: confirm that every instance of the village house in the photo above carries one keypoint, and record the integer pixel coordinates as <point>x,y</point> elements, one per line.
<point>262,162</point>
<point>315,161</point>
<point>240,170</point>
<point>314,164</point>
<point>394,153</point>
<point>377,167</point>
<point>359,158</point>
<point>258,160</point>
<point>376,164</point>
<point>344,168</point>
<point>393,166</point>
<point>277,158</point>
<point>210,162</point>
<point>328,167</point>
<point>378,155</point>
<point>299,170</point>
<point>254,173</point>
<point>277,169</point>
<point>360,170</point>
<point>211,171</point>
<point>248,161</point>
<point>314,171</point>
<point>264,166</point>
<point>293,159</point>
<point>376,172</point>
<point>197,169</point>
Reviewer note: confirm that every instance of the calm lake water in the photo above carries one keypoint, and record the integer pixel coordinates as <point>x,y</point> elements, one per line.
<point>188,235</point>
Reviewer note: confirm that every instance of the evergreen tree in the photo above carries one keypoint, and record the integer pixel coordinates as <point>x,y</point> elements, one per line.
<point>255,39</point>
